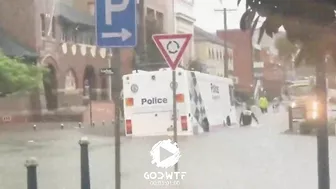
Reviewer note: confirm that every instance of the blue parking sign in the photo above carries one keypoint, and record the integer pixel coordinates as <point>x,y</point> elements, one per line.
<point>116,23</point>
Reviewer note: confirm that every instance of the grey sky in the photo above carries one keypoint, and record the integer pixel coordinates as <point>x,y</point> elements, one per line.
<point>210,20</point>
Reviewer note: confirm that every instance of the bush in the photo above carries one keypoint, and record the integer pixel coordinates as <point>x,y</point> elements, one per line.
<point>16,76</point>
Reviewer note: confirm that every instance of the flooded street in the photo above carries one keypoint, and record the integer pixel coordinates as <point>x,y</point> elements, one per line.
<point>234,158</point>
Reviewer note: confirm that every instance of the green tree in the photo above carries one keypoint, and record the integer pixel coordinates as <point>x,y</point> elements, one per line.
<point>16,76</point>
<point>310,24</point>
<point>286,50</point>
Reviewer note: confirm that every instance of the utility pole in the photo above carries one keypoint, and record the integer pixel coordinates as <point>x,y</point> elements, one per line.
<point>174,87</point>
<point>322,126</point>
<point>226,53</point>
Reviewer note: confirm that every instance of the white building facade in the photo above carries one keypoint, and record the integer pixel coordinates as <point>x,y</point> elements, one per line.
<point>184,23</point>
<point>210,52</point>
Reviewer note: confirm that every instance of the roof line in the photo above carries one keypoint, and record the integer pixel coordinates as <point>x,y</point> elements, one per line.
<point>201,34</point>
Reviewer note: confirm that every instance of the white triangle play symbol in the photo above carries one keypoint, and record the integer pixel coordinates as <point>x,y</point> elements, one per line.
<point>172,47</point>
<point>165,154</point>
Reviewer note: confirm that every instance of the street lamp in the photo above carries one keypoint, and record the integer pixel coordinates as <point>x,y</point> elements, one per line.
<point>88,94</point>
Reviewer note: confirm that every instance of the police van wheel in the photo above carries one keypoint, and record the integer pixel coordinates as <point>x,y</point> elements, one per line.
<point>228,121</point>
<point>205,125</point>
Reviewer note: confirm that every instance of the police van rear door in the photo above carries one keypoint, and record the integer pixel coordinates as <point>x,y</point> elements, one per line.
<point>148,103</point>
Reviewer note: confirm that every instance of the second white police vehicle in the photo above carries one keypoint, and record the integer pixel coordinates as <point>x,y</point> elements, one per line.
<point>203,102</point>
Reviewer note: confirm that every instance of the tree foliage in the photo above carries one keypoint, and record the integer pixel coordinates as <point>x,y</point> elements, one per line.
<point>17,76</point>
<point>286,50</point>
<point>308,23</point>
<point>153,53</point>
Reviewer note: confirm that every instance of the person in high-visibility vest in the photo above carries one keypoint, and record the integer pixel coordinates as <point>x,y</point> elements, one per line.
<point>263,104</point>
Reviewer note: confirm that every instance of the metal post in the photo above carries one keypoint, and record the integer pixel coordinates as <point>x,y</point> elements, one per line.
<point>117,87</point>
<point>226,66</point>
<point>290,118</point>
<point>88,92</point>
<point>90,104</point>
<point>110,75</point>
<point>84,161</point>
<point>31,165</point>
<point>117,147</point>
<point>322,128</point>
<point>174,111</point>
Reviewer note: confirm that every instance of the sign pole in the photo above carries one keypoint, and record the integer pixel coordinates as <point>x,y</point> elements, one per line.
<point>116,27</point>
<point>117,145</point>
<point>174,112</point>
<point>110,75</point>
<point>172,46</point>
<point>117,86</point>
<point>115,89</point>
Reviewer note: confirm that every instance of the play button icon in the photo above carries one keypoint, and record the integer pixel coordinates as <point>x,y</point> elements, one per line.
<point>165,154</point>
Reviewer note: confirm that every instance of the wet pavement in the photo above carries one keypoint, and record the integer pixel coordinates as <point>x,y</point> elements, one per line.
<point>230,158</point>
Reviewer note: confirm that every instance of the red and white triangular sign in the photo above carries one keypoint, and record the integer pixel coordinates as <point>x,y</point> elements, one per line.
<point>172,47</point>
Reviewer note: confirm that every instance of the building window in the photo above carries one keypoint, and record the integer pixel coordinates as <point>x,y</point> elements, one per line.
<point>43,25</point>
<point>91,7</point>
<point>160,19</point>
<point>77,35</point>
<point>64,36</point>
<point>218,57</point>
<point>65,33</point>
<point>68,34</point>
<point>53,28</point>
<point>209,53</point>
<point>150,14</point>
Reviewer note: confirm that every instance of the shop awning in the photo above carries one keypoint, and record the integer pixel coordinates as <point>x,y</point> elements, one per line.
<point>71,14</point>
<point>12,48</point>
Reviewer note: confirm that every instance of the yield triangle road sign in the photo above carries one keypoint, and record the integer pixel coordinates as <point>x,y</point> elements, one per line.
<point>172,47</point>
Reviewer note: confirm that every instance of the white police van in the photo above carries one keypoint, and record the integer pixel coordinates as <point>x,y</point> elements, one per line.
<point>203,102</point>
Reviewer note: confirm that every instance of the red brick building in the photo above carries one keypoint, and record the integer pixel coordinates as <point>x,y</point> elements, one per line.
<point>252,63</point>
<point>242,58</point>
<point>61,38</point>
<point>273,73</point>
